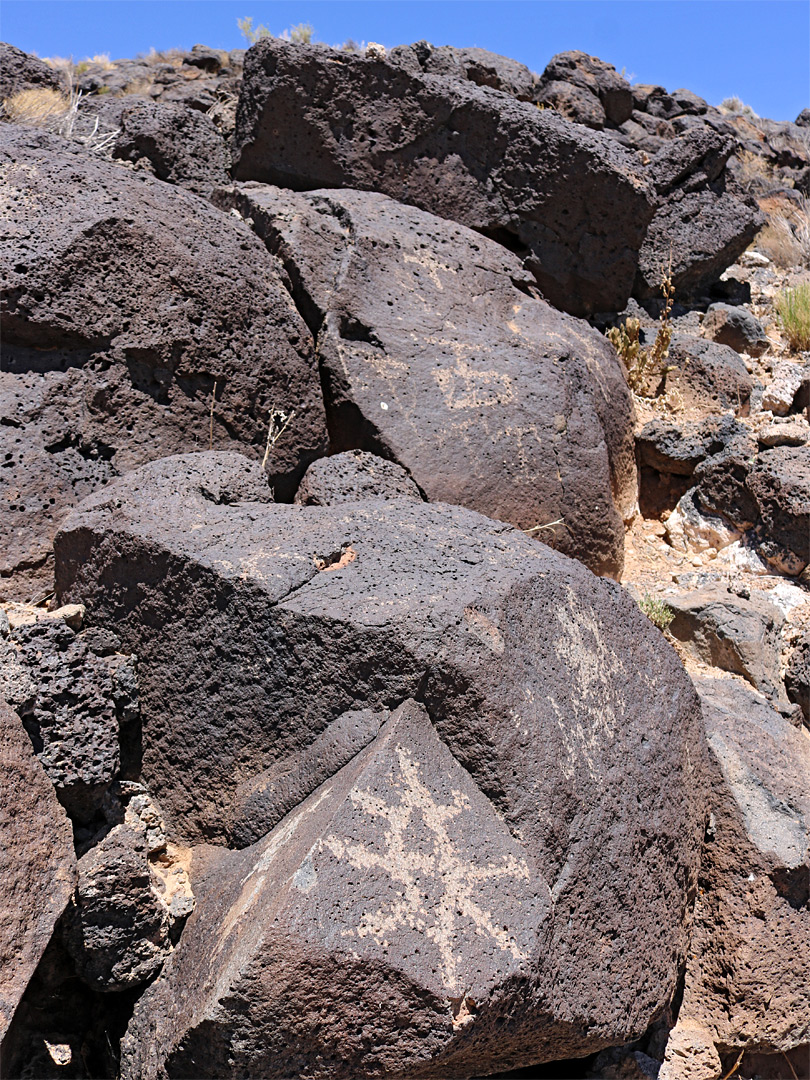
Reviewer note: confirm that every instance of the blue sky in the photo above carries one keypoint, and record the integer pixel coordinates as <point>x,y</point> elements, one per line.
<point>756,49</point>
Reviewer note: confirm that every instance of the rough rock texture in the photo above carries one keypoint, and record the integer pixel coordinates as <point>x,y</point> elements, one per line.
<point>780,393</point>
<point>539,679</point>
<point>80,691</point>
<point>707,375</point>
<point>731,633</point>
<point>352,475</point>
<point>261,802</point>
<point>502,405</point>
<point>37,863</point>
<point>696,235</point>
<point>596,82</point>
<point>21,71</point>
<point>736,327</point>
<point>310,118</point>
<point>182,144</point>
<point>117,927</point>
<point>779,480</point>
<point>722,482</point>
<point>678,448</point>
<point>748,977</point>
<point>797,676</point>
<point>690,1055</point>
<point>123,302</point>
<point>468,65</point>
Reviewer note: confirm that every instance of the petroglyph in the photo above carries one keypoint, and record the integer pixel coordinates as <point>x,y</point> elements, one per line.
<point>466,387</point>
<point>454,882</point>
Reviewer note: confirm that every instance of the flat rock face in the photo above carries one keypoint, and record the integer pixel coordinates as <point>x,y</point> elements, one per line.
<point>575,203</point>
<point>433,355</point>
<point>257,625</point>
<point>37,862</point>
<point>748,977</point>
<point>779,480</point>
<point>124,301</point>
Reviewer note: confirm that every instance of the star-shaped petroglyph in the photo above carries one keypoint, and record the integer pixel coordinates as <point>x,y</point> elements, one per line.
<point>437,884</point>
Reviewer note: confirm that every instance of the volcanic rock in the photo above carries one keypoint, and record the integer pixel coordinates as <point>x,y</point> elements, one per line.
<point>574,203</point>
<point>731,633</point>
<point>352,475</point>
<point>537,677</point>
<point>748,976</point>
<point>797,676</point>
<point>592,76</point>
<point>129,309</point>
<point>779,480</point>
<point>707,375</point>
<point>735,327</point>
<point>503,405</point>
<point>182,145</point>
<point>21,71</point>
<point>37,863</point>
<point>468,65</point>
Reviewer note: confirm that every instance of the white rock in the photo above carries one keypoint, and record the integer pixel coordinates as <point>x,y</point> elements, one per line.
<point>688,529</point>
<point>690,1055</point>
<point>780,392</point>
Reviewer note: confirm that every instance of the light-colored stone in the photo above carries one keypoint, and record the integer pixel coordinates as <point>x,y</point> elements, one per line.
<point>690,1055</point>
<point>689,529</point>
<point>780,392</point>
<point>795,433</point>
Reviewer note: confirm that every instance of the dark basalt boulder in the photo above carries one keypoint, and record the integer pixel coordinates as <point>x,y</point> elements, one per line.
<point>748,974</point>
<point>693,237</point>
<point>83,699</point>
<point>37,864</point>
<point>593,77</point>
<point>707,375</point>
<point>181,144</point>
<point>353,475</point>
<point>678,448</point>
<point>21,71</point>
<point>736,327</point>
<point>503,405</point>
<point>779,480</point>
<point>797,676</point>
<point>575,204</point>
<point>468,65</point>
<point>128,308</point>
<point>529,739</point>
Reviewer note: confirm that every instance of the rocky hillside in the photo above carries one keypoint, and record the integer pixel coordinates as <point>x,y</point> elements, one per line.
<point>405,578</point>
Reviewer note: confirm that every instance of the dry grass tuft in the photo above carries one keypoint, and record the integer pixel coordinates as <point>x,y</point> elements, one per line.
<point>754,173</point>
<point>39,106</point>
<point>785,239</point>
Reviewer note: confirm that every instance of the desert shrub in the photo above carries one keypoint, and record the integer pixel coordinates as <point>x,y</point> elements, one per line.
<point>656,610</point>
<point>735,105</point>
<point>785,239</point>
<point>753,173</point>
<point>300,34</point>
<point>645,367</point>
<point>793,308</point>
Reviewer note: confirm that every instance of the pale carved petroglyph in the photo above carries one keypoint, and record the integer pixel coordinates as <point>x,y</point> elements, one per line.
<point>467,387</point>
<point>454,881</point>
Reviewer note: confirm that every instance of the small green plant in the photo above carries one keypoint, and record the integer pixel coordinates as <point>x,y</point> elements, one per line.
<point>657,611</point>
<point>645,367</point>
<point>793,308</point>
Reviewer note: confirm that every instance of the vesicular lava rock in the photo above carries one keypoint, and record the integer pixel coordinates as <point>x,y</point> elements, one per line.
<point>575,203</point>
<point>125,301</point>
<point>433,356</point>
<point>545,684</point>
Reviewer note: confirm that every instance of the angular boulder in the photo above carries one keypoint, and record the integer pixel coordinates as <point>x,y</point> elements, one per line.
<point>779,480</point>
<point>709,376</point>
<point>592,77</point>
<point>468,65</point>
<point>735,327</point>
<point>503,404</point>
<point>256,626</point>
<point>130,309</point>
<point>575,204</point>
<point>37,862</point>
<point>181,144</point>
<point>21,71</point>
<point>748,975</point>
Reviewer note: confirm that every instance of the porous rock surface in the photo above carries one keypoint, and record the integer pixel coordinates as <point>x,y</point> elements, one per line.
<point>533,682</point>
<point>310,118</point>
<point>352,475</point>
<point>748,975</point>
<point>22,71</point>
<point>432,354</point>
<point>37,862</point>
<point>124,301</point>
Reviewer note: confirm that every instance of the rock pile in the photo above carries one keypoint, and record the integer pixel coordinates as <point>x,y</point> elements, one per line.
<point>318,762</point>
